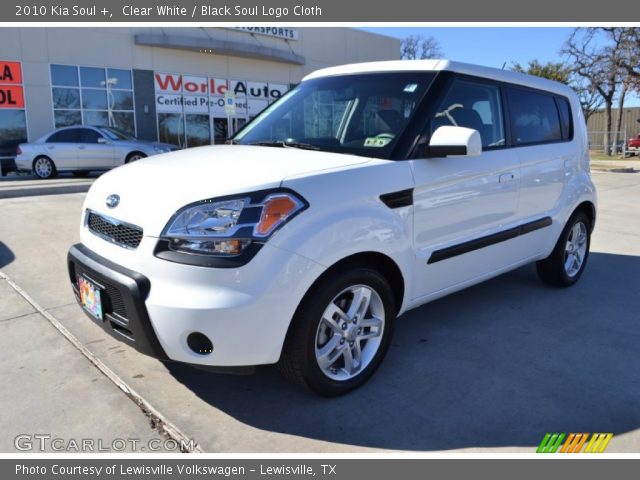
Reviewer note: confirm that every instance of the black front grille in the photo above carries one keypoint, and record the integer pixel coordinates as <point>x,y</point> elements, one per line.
<point>121,233</point>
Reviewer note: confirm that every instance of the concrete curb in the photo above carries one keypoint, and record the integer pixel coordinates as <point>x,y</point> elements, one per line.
<point>30,191</point>
<point>157,420</point>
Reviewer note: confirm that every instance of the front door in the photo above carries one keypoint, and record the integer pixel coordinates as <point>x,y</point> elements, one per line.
<point>462,204</point>
<point>95,151</point>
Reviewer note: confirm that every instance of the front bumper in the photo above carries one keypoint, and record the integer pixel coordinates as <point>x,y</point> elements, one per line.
<point>245,311</point>
<point>123,294</point>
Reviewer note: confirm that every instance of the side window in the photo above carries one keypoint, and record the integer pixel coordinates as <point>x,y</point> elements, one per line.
<point>534,117</point>
<point>70,135</point>
<point>473,105</point>
<point>565,118</point>
<point>89,136</point>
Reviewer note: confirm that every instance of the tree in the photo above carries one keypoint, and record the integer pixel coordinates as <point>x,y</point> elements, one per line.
<point>420,47</point>
<point>630,49</point>
<point>599,66</point>
<point>557,71</point>
<point>590,99</point>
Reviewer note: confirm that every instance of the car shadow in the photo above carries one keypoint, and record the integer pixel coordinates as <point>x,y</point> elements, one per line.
<point>498,364</point>
<point>6,255</point>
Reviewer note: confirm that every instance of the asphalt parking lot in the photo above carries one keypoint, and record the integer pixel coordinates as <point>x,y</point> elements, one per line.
<point>491,368</point>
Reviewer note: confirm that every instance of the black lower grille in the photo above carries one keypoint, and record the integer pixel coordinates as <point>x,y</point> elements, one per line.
<point>115,231</point>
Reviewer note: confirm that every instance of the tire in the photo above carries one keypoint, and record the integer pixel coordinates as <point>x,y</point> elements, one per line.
<point>317,350</point>
<point>567,262</point>
<point>133,156</point>
<point>44,168</point>
<point>80,173</point>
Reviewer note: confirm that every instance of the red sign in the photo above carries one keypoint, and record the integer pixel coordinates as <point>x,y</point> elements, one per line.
<point>10,72</point>
<point>11,96</point>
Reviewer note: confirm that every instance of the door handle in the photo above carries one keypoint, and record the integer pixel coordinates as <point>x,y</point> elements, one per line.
<point>81,147</point>
<point>506,177</point>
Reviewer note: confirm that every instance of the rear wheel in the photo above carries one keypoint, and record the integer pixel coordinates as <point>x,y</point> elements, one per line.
<point>44,167</point>
<point>341,332</point>
<point>568,260</point>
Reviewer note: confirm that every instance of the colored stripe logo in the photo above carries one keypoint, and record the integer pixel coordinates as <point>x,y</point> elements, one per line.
<point>574,442</point>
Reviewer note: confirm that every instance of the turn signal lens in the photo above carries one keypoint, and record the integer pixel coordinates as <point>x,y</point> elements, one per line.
<point>276,209</point>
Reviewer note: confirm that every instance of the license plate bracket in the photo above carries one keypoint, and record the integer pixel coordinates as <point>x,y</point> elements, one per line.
<point>90,297</point>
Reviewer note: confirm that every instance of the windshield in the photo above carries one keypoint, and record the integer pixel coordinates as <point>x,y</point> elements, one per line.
<point>361,114</point>
<point>114,134</point>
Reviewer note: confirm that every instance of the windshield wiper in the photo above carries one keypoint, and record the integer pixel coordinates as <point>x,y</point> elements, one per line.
<point>285,144</point>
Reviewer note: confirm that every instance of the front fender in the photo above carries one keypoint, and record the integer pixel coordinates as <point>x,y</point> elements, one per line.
<point>347,217</point>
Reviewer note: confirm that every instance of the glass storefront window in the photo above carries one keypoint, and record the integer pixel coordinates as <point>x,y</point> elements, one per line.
<point>67,98</point>
<point>96,118</point>
<point>171,128</point>
<point>106,97</point>
<point>197,130</point>
<point>94,99</point>
<point>92,77</point>
<point>120,78</point>
<point>121,100</point>
<point>67,118</point>
<point>124,121</point>
<point>13,131</point>
<point>220,130</point>
<point>64,75</point>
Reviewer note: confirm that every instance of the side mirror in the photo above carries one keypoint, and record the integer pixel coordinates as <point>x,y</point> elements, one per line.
<point>103,140</point>
<point>460,141</point>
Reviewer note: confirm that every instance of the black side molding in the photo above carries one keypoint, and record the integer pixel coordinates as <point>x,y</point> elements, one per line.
<point>483,242</point>
<point>401,198</point>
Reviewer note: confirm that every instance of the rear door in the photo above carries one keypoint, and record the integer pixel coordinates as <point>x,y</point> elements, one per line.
<point>62,148</point>
<point>463,205</point>
<point>94,151</point>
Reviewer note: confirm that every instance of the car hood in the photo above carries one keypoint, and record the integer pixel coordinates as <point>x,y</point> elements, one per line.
<point>151,190</point>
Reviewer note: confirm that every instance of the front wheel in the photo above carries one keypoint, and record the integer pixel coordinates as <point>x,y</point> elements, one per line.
<point>135,156</point>
<point>568,260</point>
<point>341,332</point>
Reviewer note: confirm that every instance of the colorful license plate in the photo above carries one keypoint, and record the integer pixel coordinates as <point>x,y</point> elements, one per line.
<point>90,297</point>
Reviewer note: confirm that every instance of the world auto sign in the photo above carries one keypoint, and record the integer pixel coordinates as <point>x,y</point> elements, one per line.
<point>177,93</point>
<point>11,90</point>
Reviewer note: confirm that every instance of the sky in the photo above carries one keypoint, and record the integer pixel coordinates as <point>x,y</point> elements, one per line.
<point>493,46</point>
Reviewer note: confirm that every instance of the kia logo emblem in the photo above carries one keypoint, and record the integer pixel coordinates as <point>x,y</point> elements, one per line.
<point>113,201</point>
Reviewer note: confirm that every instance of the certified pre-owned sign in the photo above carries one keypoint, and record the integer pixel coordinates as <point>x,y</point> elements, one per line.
<point>11,91</point>
<point>196,94</point>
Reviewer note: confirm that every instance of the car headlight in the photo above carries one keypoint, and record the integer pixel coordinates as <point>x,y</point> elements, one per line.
<point>227,227</point>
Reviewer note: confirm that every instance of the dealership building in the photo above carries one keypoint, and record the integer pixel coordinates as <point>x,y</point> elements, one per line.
<point>186,86</point>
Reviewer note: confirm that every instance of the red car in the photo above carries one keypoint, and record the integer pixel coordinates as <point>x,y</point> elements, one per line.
<point>634,145</point>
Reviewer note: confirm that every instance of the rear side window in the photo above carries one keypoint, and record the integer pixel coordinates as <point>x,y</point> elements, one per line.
<point>534,117</point>
<point>71,135</point>
<point>565,118</point>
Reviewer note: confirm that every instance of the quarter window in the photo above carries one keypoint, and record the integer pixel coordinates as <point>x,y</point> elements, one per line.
<point>565,118</point>
<point>534,117</point>
<point>473,105</point>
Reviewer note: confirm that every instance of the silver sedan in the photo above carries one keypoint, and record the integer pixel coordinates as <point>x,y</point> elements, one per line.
<point>83,149</point>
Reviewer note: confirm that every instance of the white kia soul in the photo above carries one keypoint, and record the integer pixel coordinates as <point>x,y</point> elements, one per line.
<point>364,192</point>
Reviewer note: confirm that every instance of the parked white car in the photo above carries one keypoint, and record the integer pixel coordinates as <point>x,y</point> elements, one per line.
<point>366,191</point>
<point>82,149</point>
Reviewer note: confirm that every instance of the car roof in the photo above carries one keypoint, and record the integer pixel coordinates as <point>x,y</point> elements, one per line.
<point>444,65</point>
